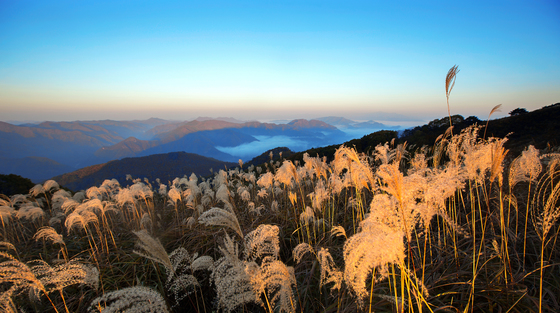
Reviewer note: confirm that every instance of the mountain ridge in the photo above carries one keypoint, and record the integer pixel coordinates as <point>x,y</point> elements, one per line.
<point>165,167</point>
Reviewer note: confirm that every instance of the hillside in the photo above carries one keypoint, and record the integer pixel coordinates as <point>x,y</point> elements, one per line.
<point>73,145</point>
<point>166,167</point>
<point>539,128</point>
<point>70,144</point>
<point>204,143</point>
<point>37,169</point>
<point>204,135</point>
<point>14,184</point>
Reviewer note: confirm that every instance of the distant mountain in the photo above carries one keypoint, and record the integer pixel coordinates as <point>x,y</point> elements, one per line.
<point>193,127</point>
<point>302,124</point>
<point>538,128</point>
<point>336,120</point>
<point>164,128</point>
<point>74,132</point>
<point>394,117</point>
<point>189,126</point>
<point>251,128</point>
<point>204,143</point>
<point>202,137</point>
<point>38,169</point>
<point>225,119</point>
<point>128,147</point>
<point>70,144</point>
<point>125,129</point>
<point>78,144</point>
<point>265,156</point>
<point>346,124</point>
<point>163,166</point>
<point>370,125</point>
<point>66,146</point>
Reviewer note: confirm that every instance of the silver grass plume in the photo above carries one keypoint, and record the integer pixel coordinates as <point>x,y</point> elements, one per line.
<point>307,217</point>
<point>50,185</point>
<point>69,205</point>
<point>48,233</point>
<point>449,84</point>
<point>151,248</point>
<point>182,280</point>
<point>94,192</point>
<point>357,167</point>
<point>6,214</point>
<point>59,198</point>
<point>319,195</point>
<point>278,281</point>
<point>329,272</point>
<point>36,190</point>
<point>360,258</point>
<point>79,196</point>
<point>300,250</point>
<point>179,265</point>
<point>5,202</point>
<point>162,189</point>
<point>525,167</point>
<point>30,212</point>
<point>286,173</point>
<point>80,219</point>
<point>546,205</point>
<point>315,166</point>
<point>231,276</point>
<point>137,299</point>
<point>67,274</point>
<point>262,242</point>
<point>42,278</point>
<point>262,193</point>
<point>223,194</point>
<point>7,246</point>
<point>338,231</point>
<point>174,196</point>
<point>273,277</point>
<point>221,217</point>
<point>18,200</point>
<point>265,180</point>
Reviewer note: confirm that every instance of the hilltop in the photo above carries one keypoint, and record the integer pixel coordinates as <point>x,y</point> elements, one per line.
<point>166,167</point>
<point>538,128</point>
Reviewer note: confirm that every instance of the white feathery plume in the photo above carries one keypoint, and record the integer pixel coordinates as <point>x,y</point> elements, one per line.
<point>300,250</point>
<point>329,272</point>
<point>137,299</point>
<point>221,217</point>
<point>30,211</point>
<point>36,190</point>
<point>48,233</point>
<point>262,242</point>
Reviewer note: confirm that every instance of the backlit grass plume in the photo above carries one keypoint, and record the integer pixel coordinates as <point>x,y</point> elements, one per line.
<point>221,217</point>
<point>462,225</point>
<point>38,278</point>
<point>449,84</point>
<point>137,299</point>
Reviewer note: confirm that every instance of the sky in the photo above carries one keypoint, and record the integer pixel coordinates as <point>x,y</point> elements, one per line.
<point>265,60</point>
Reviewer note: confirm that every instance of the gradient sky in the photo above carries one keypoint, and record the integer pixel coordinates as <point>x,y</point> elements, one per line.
<point>84,60</point>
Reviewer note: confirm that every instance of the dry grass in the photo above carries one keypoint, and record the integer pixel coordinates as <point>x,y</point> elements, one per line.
<point>454,228</point>
<point>397,230</point>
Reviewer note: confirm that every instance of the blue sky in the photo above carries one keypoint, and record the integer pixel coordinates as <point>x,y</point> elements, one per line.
<point>80,60</point>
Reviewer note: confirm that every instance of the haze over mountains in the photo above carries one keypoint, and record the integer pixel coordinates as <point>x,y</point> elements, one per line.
<point>42,151</point>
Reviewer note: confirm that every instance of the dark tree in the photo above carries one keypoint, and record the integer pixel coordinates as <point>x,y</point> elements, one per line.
<point>518,111</point>
<point>14,184</point>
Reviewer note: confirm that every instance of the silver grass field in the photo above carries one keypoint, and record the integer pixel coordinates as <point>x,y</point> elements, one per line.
<point>460,226</point>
